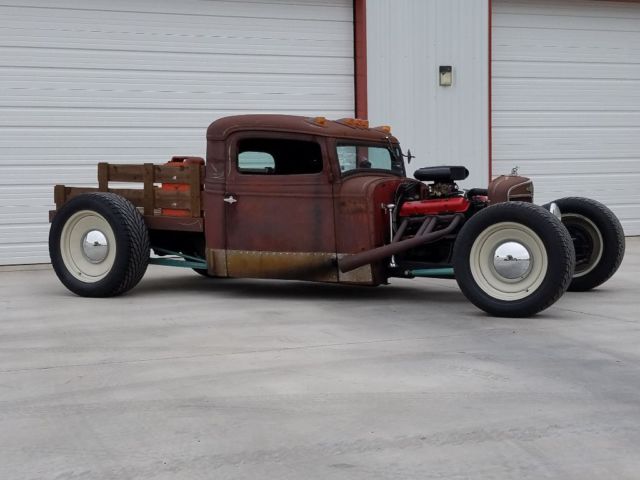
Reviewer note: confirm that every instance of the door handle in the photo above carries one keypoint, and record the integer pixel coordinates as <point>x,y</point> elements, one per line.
<point>230,199</point>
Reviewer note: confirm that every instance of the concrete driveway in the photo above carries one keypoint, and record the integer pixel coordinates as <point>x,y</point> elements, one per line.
<point>193,378</point>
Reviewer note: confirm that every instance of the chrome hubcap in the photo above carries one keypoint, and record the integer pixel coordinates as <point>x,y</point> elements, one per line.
<point>512,260</point>
<point>95,246</point>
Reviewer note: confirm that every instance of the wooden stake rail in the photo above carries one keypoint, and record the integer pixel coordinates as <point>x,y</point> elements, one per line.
<point>151,197</point>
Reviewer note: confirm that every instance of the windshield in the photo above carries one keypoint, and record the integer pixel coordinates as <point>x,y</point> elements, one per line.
<point>359,157</point>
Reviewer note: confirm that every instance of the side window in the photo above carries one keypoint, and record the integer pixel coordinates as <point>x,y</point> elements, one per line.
<point>256,162</point>
<point>359,157</point>
<point>268,156</point>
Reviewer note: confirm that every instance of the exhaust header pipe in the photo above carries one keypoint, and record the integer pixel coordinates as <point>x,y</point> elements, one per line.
<point>424,235</point>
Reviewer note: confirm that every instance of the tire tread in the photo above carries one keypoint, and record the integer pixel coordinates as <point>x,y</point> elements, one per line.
<point>614,251</point>
<point>557,283</point>
<point>130,223</point>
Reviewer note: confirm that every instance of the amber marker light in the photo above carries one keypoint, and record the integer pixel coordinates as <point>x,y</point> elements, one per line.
<point>354,122</point>
<point>319,121</point>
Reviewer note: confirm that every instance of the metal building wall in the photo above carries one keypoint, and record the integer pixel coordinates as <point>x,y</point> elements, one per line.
<point>84,81</point>
<point>407,41</point>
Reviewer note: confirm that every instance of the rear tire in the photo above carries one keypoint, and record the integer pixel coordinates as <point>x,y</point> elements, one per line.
<point>99,245</point>
<point>513,259</point>
<point>598,240</point>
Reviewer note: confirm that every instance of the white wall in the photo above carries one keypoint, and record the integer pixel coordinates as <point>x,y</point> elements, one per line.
<point>407,40</point>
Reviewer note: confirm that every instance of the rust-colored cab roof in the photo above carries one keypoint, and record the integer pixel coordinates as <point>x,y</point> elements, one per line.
<point>344,128</point>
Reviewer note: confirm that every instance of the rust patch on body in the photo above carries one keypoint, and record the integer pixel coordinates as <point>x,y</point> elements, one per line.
<point>217,261</point>
<point>316,266</point>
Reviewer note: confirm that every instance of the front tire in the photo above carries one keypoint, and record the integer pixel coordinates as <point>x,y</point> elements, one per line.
<point>598,240</point>
<point>99,245</point>
<point>513,259</point>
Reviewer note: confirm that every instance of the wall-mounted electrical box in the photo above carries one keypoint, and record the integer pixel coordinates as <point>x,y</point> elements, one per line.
<point>446,75</point>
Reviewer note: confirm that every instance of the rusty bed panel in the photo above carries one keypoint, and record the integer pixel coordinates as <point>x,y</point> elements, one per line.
<point>163,199</point>
<point>161,173</point>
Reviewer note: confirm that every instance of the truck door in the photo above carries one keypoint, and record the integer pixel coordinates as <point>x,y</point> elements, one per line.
<point>279,208</point>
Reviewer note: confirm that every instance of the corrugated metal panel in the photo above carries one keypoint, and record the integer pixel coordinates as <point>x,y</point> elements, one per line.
<point>407,41</point>
<point>566,99</point>
<point>140,80</point>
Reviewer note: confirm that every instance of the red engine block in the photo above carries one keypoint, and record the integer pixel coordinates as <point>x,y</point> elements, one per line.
<point>435,206</point>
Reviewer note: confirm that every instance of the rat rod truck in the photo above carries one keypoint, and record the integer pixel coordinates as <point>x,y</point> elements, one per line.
<point>288,197</point>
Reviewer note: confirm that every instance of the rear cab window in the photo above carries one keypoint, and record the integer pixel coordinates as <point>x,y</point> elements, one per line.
<point>269,156</point>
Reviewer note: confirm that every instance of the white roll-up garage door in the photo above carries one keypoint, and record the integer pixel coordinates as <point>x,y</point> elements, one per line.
<point>84,81</point>
<point>566,99</point>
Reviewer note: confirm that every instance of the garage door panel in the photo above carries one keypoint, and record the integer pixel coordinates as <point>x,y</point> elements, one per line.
<point>543,165</point>
<point>151,26</point>
<point>567,143</point>
<point>566,99</point>
<point>220,44</point>
<point>582,24</point>
<point>304,10</point>
<point>550,118</point>
<point>563,94</point>
<point>63,155</point>
<point>608,35</point>
<point>313,101</point>
<point>24,253</point>
<point>336,10</point>
<point>24,78</point>
<point>156,117</point>
<point>139,81</point>
<point>568,8</point>
<point>172,62</point>
<point>566,70</point>
<point>606,56</point>
<point>34,174</point>
<point>15,234</point>
<point>93,140</point>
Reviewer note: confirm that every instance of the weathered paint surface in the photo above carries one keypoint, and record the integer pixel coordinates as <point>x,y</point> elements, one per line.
<point>293,226</point>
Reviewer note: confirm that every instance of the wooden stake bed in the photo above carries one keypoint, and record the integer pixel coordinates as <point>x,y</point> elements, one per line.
<point>151,198</point>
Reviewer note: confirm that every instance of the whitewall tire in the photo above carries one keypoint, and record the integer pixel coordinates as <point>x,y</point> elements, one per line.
<point>513,259</point>
<point>99,245</point>
<point>598,240</point>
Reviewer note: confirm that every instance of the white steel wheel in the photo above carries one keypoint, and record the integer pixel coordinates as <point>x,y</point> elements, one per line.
<point>88,246</point>
<point>99,245</point>
<point>513,259</point>
<point>598,240</point>
<point>587,241</point>
<point>508,261</point>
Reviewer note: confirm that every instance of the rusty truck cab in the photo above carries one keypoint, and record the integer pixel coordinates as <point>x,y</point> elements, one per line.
<point>287,196</point>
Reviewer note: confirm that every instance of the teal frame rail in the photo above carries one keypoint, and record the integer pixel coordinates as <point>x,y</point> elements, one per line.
<point>177,259</point>
<point>433,272</point>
